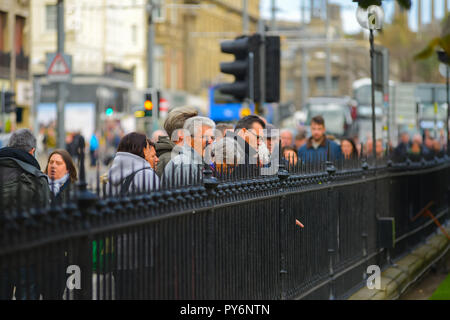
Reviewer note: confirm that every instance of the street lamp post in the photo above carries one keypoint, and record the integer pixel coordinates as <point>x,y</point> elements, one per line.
<point>448,111</point>
<point>445,59</point>
<point>372,19</point>
<point>372,71</point>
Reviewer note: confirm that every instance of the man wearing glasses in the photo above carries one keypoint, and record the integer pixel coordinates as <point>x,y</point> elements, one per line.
<point>249,133</point>
<point>185,167</point>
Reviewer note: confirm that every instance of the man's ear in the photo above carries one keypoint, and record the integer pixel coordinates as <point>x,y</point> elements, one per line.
<point>32,151</point>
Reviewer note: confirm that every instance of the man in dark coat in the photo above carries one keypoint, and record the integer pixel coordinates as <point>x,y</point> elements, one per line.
<point>22,186</point>
<point>175,136</point>
<point>249,133</point>
<point>401,151</point>
<point>18,165</point>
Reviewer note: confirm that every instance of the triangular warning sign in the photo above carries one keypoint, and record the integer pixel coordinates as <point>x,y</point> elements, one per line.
<point>58,66</point>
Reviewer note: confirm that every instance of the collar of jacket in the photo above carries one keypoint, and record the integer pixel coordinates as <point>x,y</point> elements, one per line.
<point>8,152</point>
<point>322,144</point>
<point>163,145</point>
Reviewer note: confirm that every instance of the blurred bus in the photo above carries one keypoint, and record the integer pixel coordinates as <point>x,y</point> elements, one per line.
<point>411,107</point>
<point>224,108</point>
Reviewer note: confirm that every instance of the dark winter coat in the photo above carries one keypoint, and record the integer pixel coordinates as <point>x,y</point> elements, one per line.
<point>163,148</point>
<point>21,180</point>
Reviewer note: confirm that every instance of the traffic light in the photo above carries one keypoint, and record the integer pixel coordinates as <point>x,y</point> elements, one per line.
<point>158,101</point>
<point>8,102</point>
<point>148,105</point>
<point>246,73</point>
<point>272,74</point>
<point>109,111</point>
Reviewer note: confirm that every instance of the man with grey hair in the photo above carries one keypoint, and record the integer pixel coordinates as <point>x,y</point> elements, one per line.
<point>18,165</point>
<point>22,186</point>
<point>186,166</point>
<point>174,139</point>
<point>287,138</point>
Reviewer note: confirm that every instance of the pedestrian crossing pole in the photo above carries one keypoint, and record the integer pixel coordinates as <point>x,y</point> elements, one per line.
<point>61,94</point>
<point>150,123</point>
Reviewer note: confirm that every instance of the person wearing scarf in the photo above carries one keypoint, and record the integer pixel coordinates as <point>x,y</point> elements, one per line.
<point>61,174</point>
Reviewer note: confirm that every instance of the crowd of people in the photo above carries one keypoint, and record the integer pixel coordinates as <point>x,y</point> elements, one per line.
<point>180,153</point>
<point>189,147</point>
<point>419,147</point>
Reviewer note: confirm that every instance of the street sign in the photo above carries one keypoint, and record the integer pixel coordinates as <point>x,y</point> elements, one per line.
<point>163,108</point>
<point>59,67</point>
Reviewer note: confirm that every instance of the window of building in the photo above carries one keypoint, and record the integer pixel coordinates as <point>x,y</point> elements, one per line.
<point>3,17</point>
<point>321,84</point>
<point>159,12</point>
<point>290,86</point>
<point>51,17</point>
<point>19,35</point>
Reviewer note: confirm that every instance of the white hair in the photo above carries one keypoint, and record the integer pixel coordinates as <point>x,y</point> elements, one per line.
<point>192,125</point>
<point>287,130</point>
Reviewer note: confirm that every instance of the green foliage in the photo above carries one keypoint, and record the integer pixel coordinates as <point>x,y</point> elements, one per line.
<point>406,4</point>
<point>443,291</point>
<point>429,49</point>
<point>443,42</point>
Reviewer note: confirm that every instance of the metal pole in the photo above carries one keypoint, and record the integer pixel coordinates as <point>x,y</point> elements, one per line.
<point>252,77</point>
<point>435,108</point>
<point>448,107</point>
<point>61,134</point>
<point>245,20</point>
<point>328,61</point>
<point>273,21</point>
<point>262,69</point>
<point>303,11</point>
<point>150,62</point>
<point>3,110</point>
<point>150,44</point>
<point>305,84</point>
<point>36,100</point>
<point>372,66</point>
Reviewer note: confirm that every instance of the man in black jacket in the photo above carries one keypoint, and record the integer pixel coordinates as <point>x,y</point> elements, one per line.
<point>175,136</point>
<point>249,133</point>
<point>22,186</point>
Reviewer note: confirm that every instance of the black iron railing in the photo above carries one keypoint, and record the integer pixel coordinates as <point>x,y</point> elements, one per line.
<point>229,234</point>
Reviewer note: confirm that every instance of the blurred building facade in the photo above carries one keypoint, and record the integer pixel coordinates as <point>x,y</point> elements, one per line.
<point>304,57</point>
<point>108,43</point>
<point>15,60</point>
